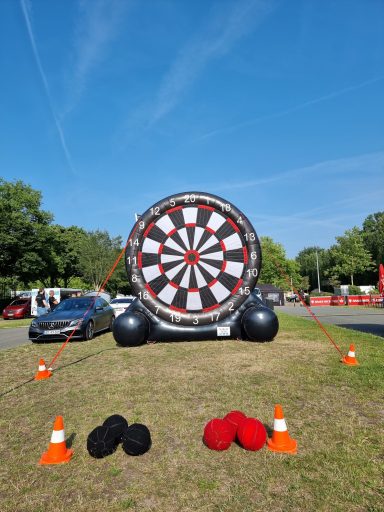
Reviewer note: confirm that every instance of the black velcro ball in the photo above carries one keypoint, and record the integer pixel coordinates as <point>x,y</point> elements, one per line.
<point>136,439</point>
<point>117,424</point>
<point>260,323</point>
<point>131,329</point>
<point>101,443</point>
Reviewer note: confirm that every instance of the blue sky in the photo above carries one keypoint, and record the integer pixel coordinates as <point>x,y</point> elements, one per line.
<point>108,106</point>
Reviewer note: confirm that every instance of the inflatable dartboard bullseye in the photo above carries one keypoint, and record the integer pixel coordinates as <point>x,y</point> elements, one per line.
<point>193,259</point>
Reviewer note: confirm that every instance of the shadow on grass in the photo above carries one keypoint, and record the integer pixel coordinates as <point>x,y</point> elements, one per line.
<point>69,441</point>
<point>268,429</point>
<point>84,358</point>
<point>58,369</point>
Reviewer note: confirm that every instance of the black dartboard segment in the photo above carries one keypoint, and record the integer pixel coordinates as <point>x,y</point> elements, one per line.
<point>193,258</point>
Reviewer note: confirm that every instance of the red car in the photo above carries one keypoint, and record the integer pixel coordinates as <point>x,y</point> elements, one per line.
<point>19,308</point>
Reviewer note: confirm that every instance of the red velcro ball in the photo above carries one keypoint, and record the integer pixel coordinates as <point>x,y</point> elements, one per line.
<point>235,418</point>
<point>218,434</point>
<point>252,434</point>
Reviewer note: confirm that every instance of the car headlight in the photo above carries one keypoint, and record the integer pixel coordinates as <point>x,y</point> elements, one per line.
<point>77,322</point>
<point>35,323</point>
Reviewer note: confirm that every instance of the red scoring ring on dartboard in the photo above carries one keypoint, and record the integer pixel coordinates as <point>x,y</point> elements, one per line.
<point>191,257</point>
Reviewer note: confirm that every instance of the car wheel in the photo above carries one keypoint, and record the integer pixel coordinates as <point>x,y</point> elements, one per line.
<point>111,323</point>
<point>89,331</point>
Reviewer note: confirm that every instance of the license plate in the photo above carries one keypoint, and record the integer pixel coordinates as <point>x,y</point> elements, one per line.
<point>224,331</point>
<point>10,314</point>
<point>51,332</point>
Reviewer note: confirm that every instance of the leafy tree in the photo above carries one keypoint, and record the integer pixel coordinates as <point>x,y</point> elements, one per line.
<point>64,252</point>
<point>98,252</point>
<point>24,228</point>
<point>373,235</point>
<point>77,282</point>
<point>304,283</point>
<point>333,279</point>
<point>118,282</point>
<point>276,268</point>
<point>349,255</point>
<point>307,261</point>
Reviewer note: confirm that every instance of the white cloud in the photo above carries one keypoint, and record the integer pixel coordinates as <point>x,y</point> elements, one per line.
<point>98,25</point>
<point>27,13</point>
<point>358,166</point>
<point>225,27</point>
<point>291,110</point>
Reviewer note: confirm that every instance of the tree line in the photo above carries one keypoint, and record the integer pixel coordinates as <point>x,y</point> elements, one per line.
<point>35,251</point>
<point>354,259</point>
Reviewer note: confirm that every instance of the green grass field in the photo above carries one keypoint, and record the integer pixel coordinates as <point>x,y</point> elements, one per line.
<point>9,324</point>
<point>335,413</point>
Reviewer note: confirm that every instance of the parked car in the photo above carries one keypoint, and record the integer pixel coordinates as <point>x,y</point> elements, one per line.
<point>84,315</point>
<point>292,297</point>
<point>121,304</point>
<point>104,295</point>
<point>19,308</point>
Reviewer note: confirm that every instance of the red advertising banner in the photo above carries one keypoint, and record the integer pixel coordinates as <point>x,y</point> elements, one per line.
<point>329,300</point>
<point>358,300</point>
<point>363,300</point>
<point>349,300</point>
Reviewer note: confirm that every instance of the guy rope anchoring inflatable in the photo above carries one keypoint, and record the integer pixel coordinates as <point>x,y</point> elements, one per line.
<point>193,260</point>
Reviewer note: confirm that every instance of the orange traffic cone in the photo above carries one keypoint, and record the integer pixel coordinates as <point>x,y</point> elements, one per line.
<point>57,450</point>
<point>42,372</point>
<point>350,359</point>
<point>280,440</point>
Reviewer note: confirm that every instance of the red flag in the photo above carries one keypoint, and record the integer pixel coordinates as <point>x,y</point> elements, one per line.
<point>381,279</point>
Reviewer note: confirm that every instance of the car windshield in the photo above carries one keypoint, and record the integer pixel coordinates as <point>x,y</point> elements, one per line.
<point>20,302</point>
<point>121,301</point>
<point>75,304</point>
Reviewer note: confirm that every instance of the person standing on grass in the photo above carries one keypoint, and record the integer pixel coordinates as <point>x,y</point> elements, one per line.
<point>41,303</point>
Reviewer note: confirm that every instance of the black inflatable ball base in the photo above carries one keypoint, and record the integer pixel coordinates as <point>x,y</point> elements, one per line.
<point>131,329</point>
<point>116,424</point>
<point>101,442</point>
<point>136,439</point>
<point>260,324</point>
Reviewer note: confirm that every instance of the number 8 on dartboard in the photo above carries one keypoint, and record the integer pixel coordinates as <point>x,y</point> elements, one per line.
<point>193,258</point>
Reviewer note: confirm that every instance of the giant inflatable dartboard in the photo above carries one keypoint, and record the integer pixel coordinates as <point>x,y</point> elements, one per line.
<point>193,259</point>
